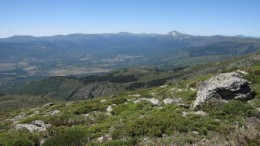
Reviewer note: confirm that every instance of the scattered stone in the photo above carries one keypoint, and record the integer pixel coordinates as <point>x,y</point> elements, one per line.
<point>163,86</point>
<point>192,89</point>
<point>49,104</point>
<point>153,101</point>
<point>100,139</point>
<point>17,118</point>
<point>184,114</point>
<point>69,103</point>
<point>154,94</point>
<point>242,72</point>
<point>108,114</point>
<point>217,120</point>
<point>201,113</point>
<point>85,115</point>
<point>31,115</point>
<point>172,89</point>
<point>33,109</point>
<point>168,101</point>
<point>104,138</point>
<point>37,125</point>
<point>179,90</point>
<point>224,86</point>
<point>36,112</point>
<point>178,101</point>
<point>109,109</point>
<point>103,100</point>
<point>184,105</point>
<point>55,112</point>
<point>42,141</point>
<point>135,95</point>
<point>195,132</point>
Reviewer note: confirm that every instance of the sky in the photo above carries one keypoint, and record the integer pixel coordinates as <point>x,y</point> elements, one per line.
<point>196,17</point>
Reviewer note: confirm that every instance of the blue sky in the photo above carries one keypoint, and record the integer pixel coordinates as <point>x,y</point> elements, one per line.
<point>198,17</point>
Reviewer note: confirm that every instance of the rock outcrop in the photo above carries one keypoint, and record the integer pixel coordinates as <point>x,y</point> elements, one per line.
<point>224,86</point>
<point>37,125</point>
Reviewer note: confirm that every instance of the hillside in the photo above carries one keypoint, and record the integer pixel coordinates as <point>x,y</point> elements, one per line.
<point>159,115</point>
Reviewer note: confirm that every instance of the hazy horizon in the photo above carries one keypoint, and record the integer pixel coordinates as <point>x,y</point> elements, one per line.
<point>122,32</point>
<point>61,17</point>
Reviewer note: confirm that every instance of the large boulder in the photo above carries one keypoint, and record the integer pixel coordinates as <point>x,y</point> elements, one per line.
<point>225,86</point>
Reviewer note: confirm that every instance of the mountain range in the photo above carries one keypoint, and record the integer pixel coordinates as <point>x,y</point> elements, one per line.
<point>26,58</point>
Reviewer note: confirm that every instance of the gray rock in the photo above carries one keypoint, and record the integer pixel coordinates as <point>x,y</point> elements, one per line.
<point>109,109</point>
<point>225,86</point>
<point>37,125</point>
<point>54,112</point>
<point>42,141</point>
<point>168,101</point>
<point>103,100</point>
<point>106,137</point>
<point>153,101</point>
<point>200,113</point>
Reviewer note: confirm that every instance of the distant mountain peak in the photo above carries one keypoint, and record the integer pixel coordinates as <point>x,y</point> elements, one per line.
<point>177,34</point>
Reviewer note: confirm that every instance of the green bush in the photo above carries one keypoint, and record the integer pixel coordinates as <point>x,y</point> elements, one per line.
<point>129,142</point>
<point>187,95</point>
<point>236,107</point>
<point>118,100</point>
<point>229,110</point>
<point>66,119</point>
<point>21,138</point>
<point>132,107</point>
<point>21,142</point>
<point>119,108</point>
<point>70,137</point>
<point>160,123</point>
<point>89,107</point>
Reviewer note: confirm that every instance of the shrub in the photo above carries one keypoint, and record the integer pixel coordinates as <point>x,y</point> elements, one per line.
<point>89,107</point>
<point>118,109</point>
<point>160,123</point>
<point>129,142</point>
<point>228,110</point>
<point>118,100</point>
<point>66,119</point>
<point>187,95</point>
<point>21,138</point>
<point>70,137</point>
<point>236,107</point>
<point>246,135</point>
